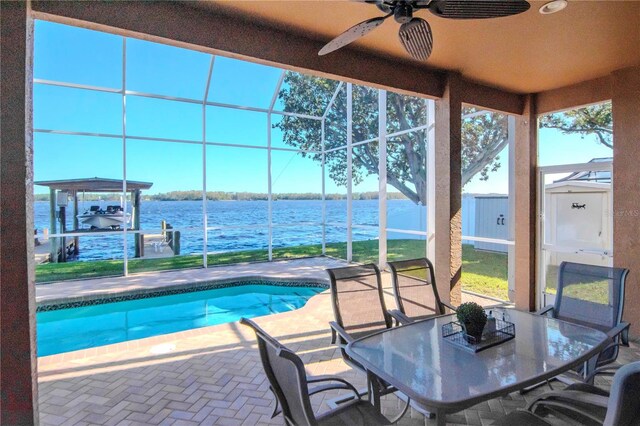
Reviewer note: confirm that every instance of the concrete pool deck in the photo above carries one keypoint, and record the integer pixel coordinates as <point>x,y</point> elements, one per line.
<point>211,375</point>
<point>297,269</point>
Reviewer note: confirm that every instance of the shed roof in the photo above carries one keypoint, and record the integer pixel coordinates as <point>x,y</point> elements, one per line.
<point>94,184</point>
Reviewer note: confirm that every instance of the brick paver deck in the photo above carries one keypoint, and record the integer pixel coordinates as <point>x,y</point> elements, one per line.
<point>212,375</point>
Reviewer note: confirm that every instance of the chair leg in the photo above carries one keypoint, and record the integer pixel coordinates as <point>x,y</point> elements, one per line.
<point>333,336</point>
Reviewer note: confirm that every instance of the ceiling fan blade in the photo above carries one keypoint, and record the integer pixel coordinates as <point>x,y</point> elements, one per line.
<point>477,9</point>
<point>416,38</point>
<point>352,34</point>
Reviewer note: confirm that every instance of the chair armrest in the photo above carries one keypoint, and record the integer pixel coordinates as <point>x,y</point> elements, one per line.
<point>621,330</point>
<point>568,400</point>
<point>608,370</point>
<point>400,318</point>
<point>545,310</point>
<point>586,388</point>
<point>341,384</point>
<point>335,327</point>
<point>453,308</point>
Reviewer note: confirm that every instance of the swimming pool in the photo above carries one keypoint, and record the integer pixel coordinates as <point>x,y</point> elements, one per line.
<point>70,329</point>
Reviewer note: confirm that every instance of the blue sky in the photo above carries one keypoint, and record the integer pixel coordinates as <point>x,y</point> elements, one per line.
<point>81,56</point>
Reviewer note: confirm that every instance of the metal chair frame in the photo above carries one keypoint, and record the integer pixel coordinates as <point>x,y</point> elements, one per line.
<point>619,334</point>
<point>400,314</point>
<point>304,381</point>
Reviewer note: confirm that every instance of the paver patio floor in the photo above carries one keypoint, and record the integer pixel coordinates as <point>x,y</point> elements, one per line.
<point>213,375</point>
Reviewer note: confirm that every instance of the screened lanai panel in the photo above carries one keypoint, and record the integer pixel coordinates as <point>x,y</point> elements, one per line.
<point>237,245</point>
<point>590,136</point>
<point>365,246</point>
<point>335,125</point>
<point>58,157</point>
<point>305,94</point>
<point>335,180</point>
<point>296,133</point>
<point>237,187</point>
<point>296,182</point>
<point>77,110</point>
<point>159,118</point>
<point>407,181</point>
<point>175,169</point>
<point>486,209</point>
<point>62,157</point>
<point>485,177</point>
<point>236,126</point>
<point>336,241</point>
<point>238,82</point>
<point>77,55</point>
<point>166,70</point>
<point>365,113</point>
<point>486,271</point>
<point>365,185</point>
<point>405,112</point>
<point>296,241</point>
<point>403,246</point>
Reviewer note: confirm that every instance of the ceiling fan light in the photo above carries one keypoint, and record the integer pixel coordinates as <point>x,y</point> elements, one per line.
<point>553,7</point>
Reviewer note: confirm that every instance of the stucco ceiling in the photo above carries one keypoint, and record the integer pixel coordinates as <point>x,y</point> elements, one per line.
<point>525,53</point>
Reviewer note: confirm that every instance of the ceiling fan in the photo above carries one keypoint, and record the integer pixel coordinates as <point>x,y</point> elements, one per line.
<point>415,33</point>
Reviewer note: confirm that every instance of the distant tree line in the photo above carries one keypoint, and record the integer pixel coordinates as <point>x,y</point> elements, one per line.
<point>195,195</point>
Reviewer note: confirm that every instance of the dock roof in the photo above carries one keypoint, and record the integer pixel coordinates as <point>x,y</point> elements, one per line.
<point>94,184</point>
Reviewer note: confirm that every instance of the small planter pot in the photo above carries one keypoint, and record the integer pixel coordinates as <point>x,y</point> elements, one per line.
<point>474,332</point>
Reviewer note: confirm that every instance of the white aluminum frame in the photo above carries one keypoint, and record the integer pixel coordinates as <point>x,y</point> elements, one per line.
<point>382,138</point>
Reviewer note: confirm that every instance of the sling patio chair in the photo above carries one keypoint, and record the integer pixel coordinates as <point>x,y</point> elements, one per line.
<point>592,296</point>
<point>581,407</point>
<point>416,294</point>
<point>290,384</point>
<point>359,310</point>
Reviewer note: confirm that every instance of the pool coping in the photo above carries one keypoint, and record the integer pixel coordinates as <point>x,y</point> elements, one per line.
<point>171,289</point>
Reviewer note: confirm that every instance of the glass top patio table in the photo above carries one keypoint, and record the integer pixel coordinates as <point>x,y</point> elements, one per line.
<point>445,378</point>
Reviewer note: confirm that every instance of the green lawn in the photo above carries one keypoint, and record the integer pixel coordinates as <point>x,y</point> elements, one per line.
<point>485,272</point>
<point>482,272</point>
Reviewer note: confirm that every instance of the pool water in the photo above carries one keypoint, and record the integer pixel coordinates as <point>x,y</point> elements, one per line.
<point>71,329</point>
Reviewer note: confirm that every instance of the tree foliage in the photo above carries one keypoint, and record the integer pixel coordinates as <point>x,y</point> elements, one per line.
<point>484,134</point>
<point>592,120</point>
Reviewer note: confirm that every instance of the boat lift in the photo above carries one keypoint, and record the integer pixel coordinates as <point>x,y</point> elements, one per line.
<point>61,191</point>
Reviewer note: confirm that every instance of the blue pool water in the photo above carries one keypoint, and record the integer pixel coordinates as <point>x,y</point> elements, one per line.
<point>71,329</point>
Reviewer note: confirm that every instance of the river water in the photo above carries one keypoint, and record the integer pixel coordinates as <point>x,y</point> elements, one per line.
<point>242,225</point>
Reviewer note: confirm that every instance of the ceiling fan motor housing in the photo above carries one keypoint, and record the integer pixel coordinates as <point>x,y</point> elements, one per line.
<point>403,12</point>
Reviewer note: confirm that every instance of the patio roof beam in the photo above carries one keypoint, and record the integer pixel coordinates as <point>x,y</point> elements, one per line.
<point>491,98</point>
<point>574,96</point>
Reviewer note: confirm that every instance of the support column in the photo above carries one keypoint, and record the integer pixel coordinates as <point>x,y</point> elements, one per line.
<point>626,186</point>
<point>525,211</point>
<point>18,367</point>
<point>448,187</point>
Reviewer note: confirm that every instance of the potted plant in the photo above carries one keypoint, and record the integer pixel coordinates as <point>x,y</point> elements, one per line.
<point>473,319</point>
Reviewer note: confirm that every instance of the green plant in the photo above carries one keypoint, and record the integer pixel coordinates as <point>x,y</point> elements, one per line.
<point>473,317</point>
